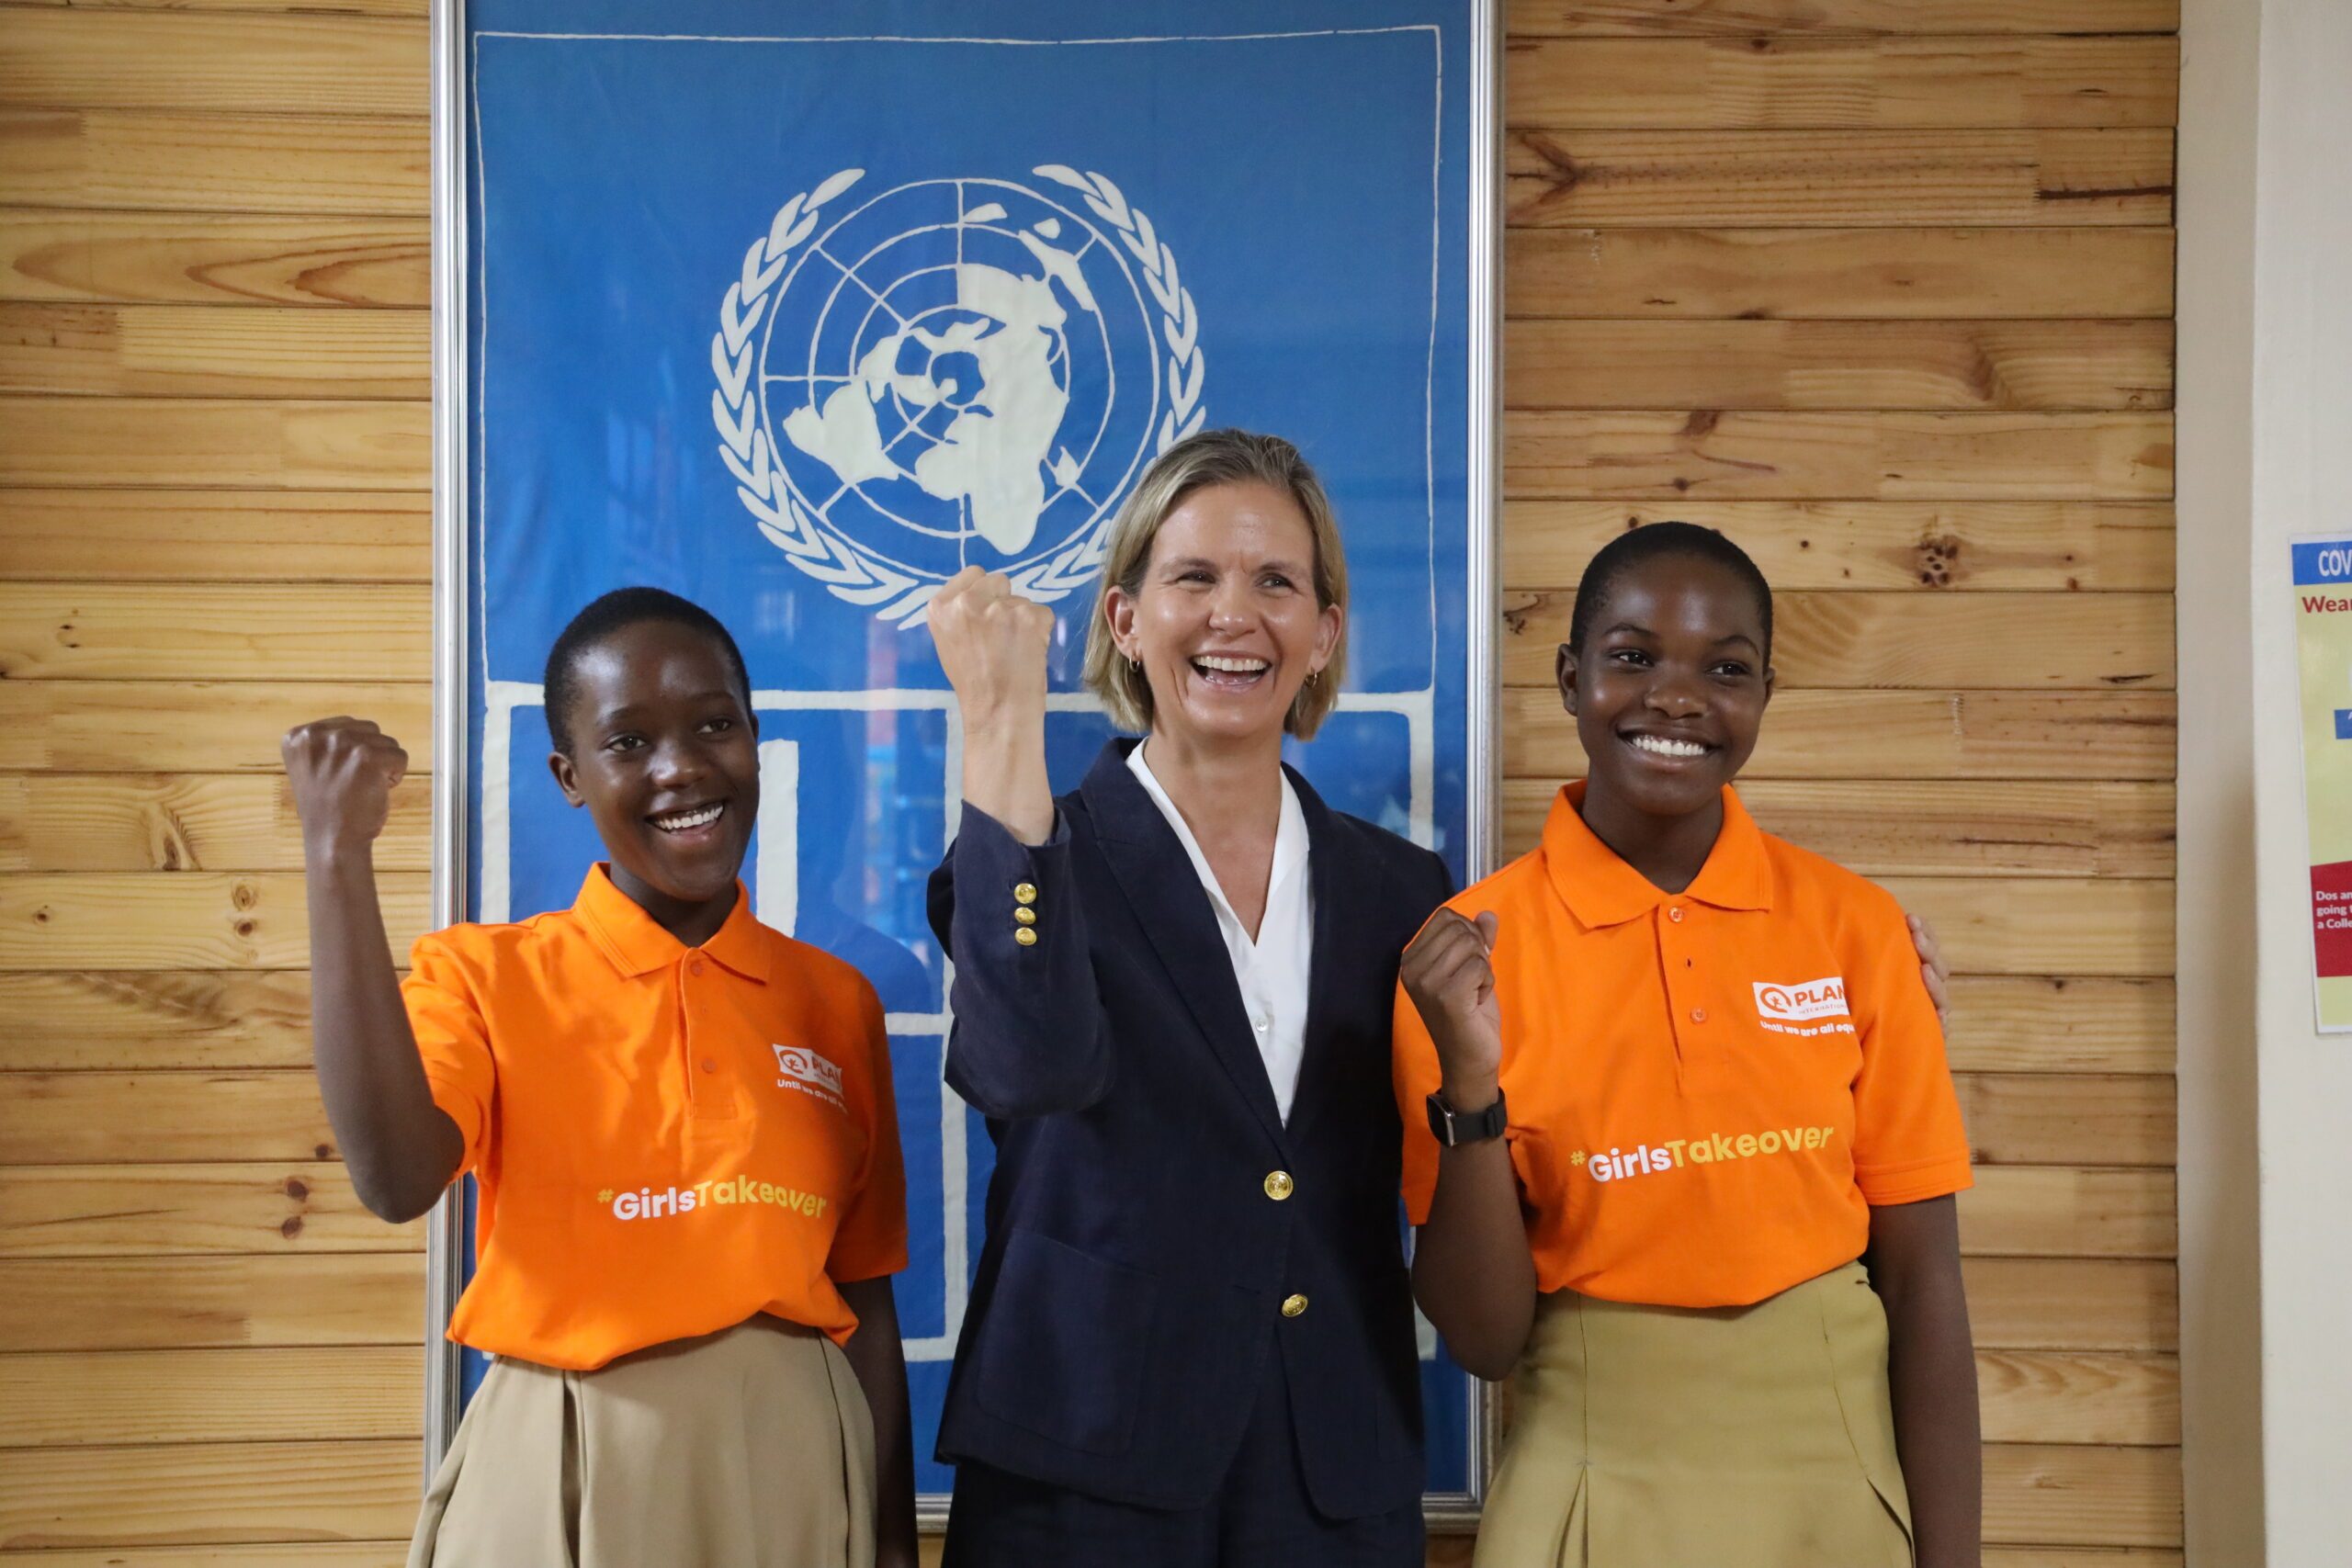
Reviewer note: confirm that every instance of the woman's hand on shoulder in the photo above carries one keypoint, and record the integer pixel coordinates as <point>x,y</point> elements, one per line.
<point>1933,967</point>
<point>1449,973</point>
<point>343,770</point>
<point>993,645</point>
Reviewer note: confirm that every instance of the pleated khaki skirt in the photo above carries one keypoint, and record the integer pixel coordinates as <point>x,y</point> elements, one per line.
<point>750,1447</point>
<point>1647,1436</point>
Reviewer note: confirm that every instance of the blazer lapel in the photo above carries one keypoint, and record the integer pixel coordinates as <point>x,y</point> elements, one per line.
<point>1157,877</point>
<point>1341,895</point>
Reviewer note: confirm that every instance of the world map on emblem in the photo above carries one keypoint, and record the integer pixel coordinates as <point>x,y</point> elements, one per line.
<point>952,372</point>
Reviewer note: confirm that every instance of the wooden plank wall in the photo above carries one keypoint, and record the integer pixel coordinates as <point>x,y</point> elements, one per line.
<point>1882,287</point>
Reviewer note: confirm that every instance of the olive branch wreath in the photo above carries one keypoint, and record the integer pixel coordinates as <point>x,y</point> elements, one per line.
<point>743,444</point>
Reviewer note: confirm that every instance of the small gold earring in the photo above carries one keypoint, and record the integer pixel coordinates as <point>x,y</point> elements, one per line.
<point>1134,666</point>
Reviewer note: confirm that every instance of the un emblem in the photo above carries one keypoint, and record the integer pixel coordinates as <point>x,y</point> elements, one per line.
<point>953,372</point>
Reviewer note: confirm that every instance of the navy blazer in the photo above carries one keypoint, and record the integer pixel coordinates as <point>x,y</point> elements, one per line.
<point>1132,1284</point>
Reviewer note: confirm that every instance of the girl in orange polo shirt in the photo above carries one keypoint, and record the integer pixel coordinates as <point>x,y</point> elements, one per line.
<point>1682,1144</point>
<point>690,1199</point>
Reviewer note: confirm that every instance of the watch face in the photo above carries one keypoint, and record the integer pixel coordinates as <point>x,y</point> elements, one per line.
<point>1453,1131</point>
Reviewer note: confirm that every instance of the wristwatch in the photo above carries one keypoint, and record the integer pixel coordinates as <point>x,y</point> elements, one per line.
<point>1453,1130</point>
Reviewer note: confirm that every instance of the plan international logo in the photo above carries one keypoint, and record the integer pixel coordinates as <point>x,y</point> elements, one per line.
<point>807,1072</point>
<point>1801,1008</point>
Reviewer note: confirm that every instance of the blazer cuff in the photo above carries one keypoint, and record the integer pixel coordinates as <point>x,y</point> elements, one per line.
<point>981,831</point>
<point>1015,903</point>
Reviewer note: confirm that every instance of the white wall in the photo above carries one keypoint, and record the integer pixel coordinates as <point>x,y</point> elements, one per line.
<point>2302,482</point>
<point>2265,452</point>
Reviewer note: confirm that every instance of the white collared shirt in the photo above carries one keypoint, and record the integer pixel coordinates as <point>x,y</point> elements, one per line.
<point>1270,972</point>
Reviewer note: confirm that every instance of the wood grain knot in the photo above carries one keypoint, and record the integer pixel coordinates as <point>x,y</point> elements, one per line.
<point>1938,559</point>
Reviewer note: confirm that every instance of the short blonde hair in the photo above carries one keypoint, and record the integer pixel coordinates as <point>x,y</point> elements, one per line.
<point>1196,463</point>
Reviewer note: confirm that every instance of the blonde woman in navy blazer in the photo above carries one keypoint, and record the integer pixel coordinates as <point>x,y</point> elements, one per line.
<point>1190,1339</point>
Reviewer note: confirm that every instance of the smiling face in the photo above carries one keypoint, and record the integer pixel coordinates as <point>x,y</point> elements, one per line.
<point>665,757</point>
<point>1670,687</point>
<point>1224,620</point>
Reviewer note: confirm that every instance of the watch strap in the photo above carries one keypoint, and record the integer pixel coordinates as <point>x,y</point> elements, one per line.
<point>1454,1129</point>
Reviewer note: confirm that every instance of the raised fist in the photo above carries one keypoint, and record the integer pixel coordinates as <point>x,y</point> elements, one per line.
<point>1449,975</point>
<point>343,770</point>
<point>993,645</point>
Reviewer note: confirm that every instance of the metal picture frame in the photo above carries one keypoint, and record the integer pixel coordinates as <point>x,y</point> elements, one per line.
<point>455,583</point>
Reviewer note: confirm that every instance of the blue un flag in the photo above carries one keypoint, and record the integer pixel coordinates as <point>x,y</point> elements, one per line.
<point>798,310</point>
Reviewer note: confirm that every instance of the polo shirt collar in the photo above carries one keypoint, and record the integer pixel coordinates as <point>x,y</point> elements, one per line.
<point>1600,889</point>
<point>637,943</point>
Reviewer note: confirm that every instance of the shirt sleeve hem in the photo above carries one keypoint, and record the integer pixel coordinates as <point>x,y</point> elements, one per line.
<point>880,1266</point>
<point>1916,1184</point>
<point>461,1108</point>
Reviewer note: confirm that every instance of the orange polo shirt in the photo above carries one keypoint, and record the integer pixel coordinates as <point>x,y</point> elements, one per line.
<point>1707,1090</point>
<point>667,1139</point>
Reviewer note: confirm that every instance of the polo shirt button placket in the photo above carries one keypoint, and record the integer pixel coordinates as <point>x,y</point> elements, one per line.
<point>1675,962</point>
<point>698,1067</point>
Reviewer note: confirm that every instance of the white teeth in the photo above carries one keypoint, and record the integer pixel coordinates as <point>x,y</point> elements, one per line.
<point>1230,666</point>
<point>679,822</point>
<point>1666,747</point>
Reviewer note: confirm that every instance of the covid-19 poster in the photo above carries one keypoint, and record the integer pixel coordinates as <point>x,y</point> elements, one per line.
<point>2323,646</point>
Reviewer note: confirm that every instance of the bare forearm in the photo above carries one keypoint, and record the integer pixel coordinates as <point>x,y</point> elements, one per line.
<point>400,1148</point>
<point>1005,772</point>
<point>1931,1370</point>
<point>1473,1272</point>
<point>1931,1377</point>
<point>878,1359</point>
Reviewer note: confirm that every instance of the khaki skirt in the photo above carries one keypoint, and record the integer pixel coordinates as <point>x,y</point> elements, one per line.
<point>1647,1437</point>
<point>750,1447</point>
